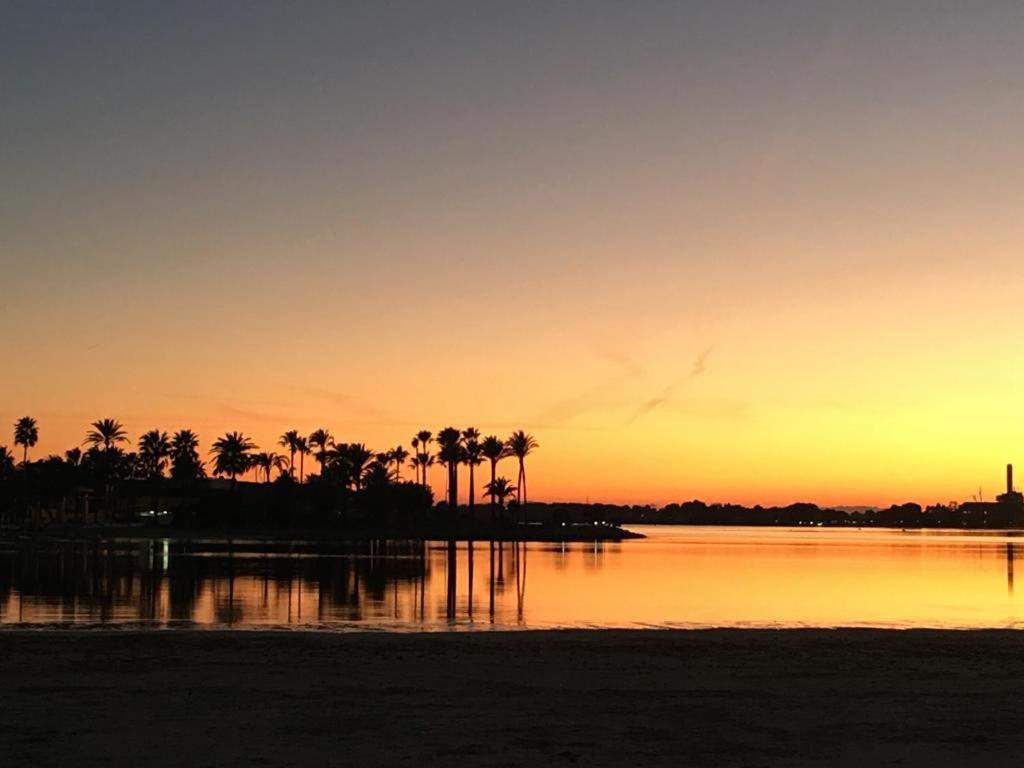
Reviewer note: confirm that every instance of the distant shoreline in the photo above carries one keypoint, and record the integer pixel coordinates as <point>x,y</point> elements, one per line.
<point>524,533</point>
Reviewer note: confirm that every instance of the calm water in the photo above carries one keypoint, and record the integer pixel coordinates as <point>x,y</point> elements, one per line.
<point>678,577</point>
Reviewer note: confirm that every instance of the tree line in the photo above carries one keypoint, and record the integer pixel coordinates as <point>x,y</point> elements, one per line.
<point>160,455</point>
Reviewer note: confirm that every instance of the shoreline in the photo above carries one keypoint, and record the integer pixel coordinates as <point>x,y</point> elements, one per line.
<point>540,534</point>
<point>794,697</point>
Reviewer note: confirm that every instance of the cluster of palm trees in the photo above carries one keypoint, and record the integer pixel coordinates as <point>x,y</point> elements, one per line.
<point>353,465</point>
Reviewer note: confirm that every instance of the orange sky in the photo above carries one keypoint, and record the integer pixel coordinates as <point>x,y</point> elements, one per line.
<point>530,219</point>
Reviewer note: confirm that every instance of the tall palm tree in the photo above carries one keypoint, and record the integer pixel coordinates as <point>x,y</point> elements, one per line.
<point>398,454</point>
<point>154,448</point>
<point>322,440</point>
<point>494,450</point>
<point>302,446</point>
<point>290,440</point>
<point>26,434</point>
<point>106,434</point>
<point>422,441</point>
<point>73,456</point>
<point>520,445</point>
<point>450,453</point>
<point>231,455</point>
<point>473,458</point>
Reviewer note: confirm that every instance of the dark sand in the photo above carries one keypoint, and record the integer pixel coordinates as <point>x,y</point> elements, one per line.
<point>715,698</point>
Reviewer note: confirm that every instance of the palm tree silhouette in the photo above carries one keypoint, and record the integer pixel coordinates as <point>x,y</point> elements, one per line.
<point>290,440</point>
<point>106,434</point>
<point>500,489</point>
<point>154,448</point>
<point>358,456</point>
<point>450,453</point>
<point>351,460</point>
<point>494,450</point>
<point>26,434</point>
<point>231,455</point>
<point>473,458</point>
<point>398,454</point>
<point>521,445</point>
<point>322,440</point>
<point>421,447</point>
<point>270,461</point>
<point>302,446</point>
<point>6,461</point>
<point>185,462</point>
<point>73,456</point>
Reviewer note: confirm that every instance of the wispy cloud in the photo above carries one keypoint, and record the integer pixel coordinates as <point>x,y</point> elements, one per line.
<point>699,366</point>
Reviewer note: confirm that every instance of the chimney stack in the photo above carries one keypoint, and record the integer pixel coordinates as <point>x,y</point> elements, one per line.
<point>1009,478</point>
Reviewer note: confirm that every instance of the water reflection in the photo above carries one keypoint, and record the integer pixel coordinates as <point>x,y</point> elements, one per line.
<point>676,577</point>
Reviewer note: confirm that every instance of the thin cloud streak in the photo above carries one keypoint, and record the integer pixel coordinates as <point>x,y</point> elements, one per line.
<point>699,366</point>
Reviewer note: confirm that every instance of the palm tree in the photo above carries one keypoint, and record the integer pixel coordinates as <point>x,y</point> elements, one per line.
<point>231,455</point>
<point>154,448</point>
<point>279,462</point>
<point>450,452</point>
<point>473,452</point>
<point>106,434</point>
<point>185,462</point>
<point>521,445</point>
<point>262,462</point>
<point>356,457</point>
<point>500,489</point>
<point>494,450</point>
<point>302,446</point>
<point>422,440</point>
<point>398,454</point>
<point>290,440</point>
<point>322,440</point>
<point>73,456</point>
<point>26,434</point>
<point>6,461</point>
<point>269,462</point>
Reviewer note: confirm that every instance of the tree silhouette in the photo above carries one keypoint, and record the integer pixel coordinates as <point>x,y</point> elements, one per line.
<point>6,461</point>
<point>186,465</point>
<point>231,455</point>
<point>421,449</point>
<point>521,445</point>
<point>73,456</point>
<point>473,456</point>
<point>322,441</point>
<point>494,450</point>
<point>398,455</point>
<point>302,446</point>
<point>26,434</point>
<point>106,434</point>
<point>500,489</point>
<point>450,453</point>
<point>154,449</point>
<point>290,440</point>
<point>350,461</point>
<point>269,462</point>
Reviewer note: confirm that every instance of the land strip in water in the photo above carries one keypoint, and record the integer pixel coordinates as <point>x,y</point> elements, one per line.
<point>599,698</point>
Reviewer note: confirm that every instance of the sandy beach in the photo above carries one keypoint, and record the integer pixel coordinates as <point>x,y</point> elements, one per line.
<point>604,698</point>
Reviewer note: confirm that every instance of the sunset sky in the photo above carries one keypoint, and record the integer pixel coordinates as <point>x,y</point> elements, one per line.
<point>753,252</point>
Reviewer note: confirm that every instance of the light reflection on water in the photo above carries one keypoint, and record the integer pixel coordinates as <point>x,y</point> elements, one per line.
<point>677,577</point>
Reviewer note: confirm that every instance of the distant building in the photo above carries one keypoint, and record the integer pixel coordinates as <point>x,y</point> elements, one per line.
<point>1007,511</point>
